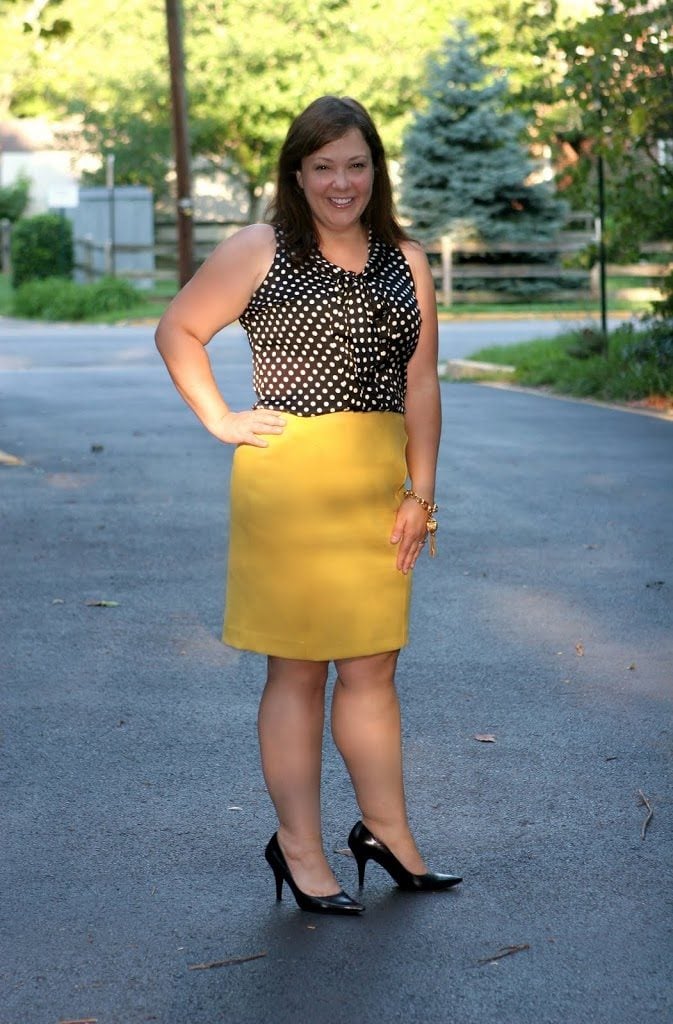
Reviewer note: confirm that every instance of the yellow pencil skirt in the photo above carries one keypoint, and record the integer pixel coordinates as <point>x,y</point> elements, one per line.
<point>311,571</point>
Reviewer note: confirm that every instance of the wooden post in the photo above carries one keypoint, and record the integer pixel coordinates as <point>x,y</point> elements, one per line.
<point>87,245</point>
<point>180,141</point>
<point>447,270</point>
<point>5,246</point>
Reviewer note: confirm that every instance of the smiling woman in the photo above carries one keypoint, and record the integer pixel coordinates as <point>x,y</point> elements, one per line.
<point>340,313</point>
<point>337,181</point>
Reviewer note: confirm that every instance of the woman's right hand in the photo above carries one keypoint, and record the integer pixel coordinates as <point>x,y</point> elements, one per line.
<point>246,427</point>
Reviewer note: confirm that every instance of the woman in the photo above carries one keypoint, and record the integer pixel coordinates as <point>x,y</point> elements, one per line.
<point>339,308</point>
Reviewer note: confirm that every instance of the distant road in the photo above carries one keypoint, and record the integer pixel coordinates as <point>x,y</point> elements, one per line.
<point>25,345</point>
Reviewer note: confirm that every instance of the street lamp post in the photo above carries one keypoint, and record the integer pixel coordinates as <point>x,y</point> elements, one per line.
<point>181,141</point>
<point>601,245</point>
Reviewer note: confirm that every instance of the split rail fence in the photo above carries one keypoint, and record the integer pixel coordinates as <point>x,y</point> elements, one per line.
<point>465,273</point>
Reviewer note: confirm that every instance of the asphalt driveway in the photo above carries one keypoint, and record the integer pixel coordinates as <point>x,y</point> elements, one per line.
<point>134,814</point>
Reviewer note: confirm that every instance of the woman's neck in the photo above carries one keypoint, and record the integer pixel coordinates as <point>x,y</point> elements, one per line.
<point>348,250</point>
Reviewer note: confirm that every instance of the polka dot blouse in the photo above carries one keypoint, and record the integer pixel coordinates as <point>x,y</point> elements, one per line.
<point>328,340</point>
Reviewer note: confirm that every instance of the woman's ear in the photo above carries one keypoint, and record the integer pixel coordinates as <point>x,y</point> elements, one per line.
<point>300,181</point>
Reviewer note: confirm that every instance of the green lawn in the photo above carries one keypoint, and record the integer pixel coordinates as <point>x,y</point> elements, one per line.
<point>154,303</point>
<point>5,295</point>
<point>635,366</point>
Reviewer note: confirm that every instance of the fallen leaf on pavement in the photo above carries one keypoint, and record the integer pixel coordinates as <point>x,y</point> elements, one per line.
<point>579,649</point>
<point>10,460</point>
<point>505,951</point>
<point>485,737</point>
<point>650,812</point>
<point>102,604</point>
<point>225,963</point>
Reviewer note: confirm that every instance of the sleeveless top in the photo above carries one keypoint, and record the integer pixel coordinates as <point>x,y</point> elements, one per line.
<point>326,340</point>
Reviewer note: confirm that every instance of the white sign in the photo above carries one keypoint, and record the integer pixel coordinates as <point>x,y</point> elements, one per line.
<point>63,197</point>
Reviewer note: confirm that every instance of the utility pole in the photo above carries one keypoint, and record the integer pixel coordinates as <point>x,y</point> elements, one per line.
<point>180,141</point>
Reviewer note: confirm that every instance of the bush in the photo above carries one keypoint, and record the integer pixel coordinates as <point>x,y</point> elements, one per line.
<point>41,248</point>
<point>14,199</point>
<point>654,345</point>
<point>57,298</point>
<point>111,294</point>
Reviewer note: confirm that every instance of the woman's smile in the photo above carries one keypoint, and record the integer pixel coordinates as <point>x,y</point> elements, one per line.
<point>337,181</point>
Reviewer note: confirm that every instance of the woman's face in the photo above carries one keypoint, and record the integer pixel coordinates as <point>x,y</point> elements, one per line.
<point>337,181</point>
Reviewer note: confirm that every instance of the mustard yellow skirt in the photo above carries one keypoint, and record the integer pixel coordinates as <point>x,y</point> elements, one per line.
<point>311,572</point>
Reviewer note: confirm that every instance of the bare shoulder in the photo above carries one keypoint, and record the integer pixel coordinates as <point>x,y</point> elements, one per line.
<point>244,257</point>
<point>414,254</point>
<point>253,241</point>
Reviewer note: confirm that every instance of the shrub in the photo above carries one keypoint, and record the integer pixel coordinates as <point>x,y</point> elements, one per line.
<point>57,298</point>
<point>41,248</point>
<point>14,198</point>
<point>654,345</point>
<point>110,294</point>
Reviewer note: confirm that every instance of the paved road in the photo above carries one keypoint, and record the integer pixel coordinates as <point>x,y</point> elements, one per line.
<point>65,345</point>
<point>134,812</point>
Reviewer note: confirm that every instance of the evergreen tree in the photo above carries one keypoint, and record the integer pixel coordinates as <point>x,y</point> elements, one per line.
<point>465,167</point>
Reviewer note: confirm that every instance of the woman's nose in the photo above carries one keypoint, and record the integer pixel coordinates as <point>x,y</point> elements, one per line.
<point>340,179</point>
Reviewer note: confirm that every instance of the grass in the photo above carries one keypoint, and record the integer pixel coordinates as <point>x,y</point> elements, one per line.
<point>150,307</point>
<point>635,366</point>
<point>154,303</point>
<point>5,295</point>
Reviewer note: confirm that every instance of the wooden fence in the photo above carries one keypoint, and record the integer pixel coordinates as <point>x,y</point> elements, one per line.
<point>454,267</point>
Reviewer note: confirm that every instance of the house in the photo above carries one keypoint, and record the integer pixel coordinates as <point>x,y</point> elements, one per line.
<point>29,146</point>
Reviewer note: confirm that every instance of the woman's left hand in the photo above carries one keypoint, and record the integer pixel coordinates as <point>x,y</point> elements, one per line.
<point>410,533</point>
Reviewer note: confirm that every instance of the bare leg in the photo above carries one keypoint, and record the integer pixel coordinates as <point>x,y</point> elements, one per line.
<point>290,723</point>
<point>367,731</point>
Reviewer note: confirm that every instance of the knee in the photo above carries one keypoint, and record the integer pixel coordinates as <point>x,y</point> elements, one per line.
<point>310,676</point>
<point>373,672</point>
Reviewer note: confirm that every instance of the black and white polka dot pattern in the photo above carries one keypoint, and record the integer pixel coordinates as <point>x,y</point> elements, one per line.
<point>327,340</point>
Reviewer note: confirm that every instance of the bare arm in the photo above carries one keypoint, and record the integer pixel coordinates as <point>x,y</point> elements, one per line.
<point>422,416</point>
<point>216,296</point>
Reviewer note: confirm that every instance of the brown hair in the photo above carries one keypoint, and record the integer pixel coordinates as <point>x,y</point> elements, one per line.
<point>325,120</point>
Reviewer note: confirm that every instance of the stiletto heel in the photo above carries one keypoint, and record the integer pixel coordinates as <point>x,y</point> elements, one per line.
<point>361,863</point>
<point>364,846</point>
<point>339,903</point>
<point>278,875</point>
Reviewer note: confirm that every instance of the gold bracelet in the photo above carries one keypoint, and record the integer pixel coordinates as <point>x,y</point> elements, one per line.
<point>429,507</point>
<point>431,522</point>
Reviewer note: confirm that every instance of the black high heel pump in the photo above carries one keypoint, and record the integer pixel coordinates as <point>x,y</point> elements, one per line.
<point>366,847</point>
<point>340,903</point>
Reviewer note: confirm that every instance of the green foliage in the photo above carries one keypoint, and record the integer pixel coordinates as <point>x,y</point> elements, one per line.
<point>58,298</point>
<point>636,365</point>
<point>41,247</point>
<point>616,98</point>
<point>136,129</point>
<point>465,166</point>
<point>14,198</point>
<point>250,68</point>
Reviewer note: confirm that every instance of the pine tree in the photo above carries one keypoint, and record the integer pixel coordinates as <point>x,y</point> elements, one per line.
<point>465,167</point>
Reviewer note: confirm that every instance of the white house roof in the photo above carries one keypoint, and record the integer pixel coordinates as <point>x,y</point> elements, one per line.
<point>26,135</point>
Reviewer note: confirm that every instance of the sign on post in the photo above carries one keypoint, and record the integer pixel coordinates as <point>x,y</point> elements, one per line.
<point>63,197</point>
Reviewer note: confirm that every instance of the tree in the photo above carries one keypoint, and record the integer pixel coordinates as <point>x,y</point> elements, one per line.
<point>251,66</point>
<point>616,100</point>
<point>465,167</point>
